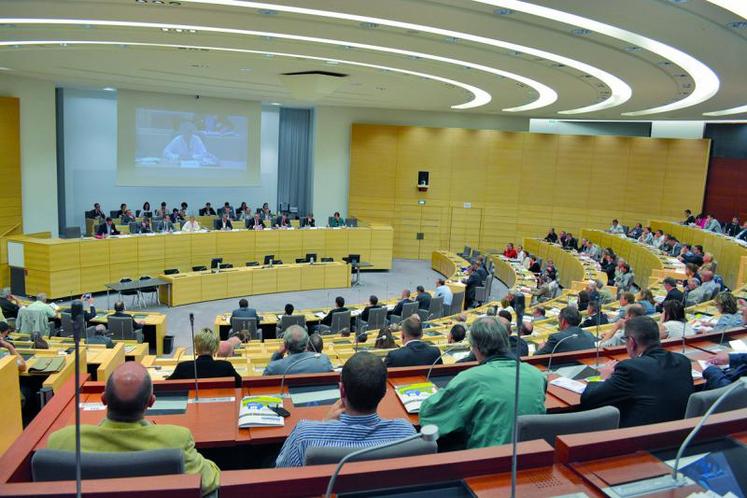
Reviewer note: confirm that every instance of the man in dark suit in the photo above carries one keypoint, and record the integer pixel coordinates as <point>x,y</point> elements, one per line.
<point>107,228</point>
<point>373,303</point>
<point>517,301</point>
<point>224,223</point>
<point>673,293</point>
<point>282,221</point>
<point>8,304</point>
<point>340,303</point>
<point>472,282</point>
<point>404,298</point>
<point>414,351</point>
<point>119,309</point>
<point>568,320</point>
<point>653,386</point>
<point>594,315</point>
<point>244,311</point>
<point>423,298</point>
<point>207,210</point>
<point>308,221</point>
<point>206,345</point>
<point>226,209</point>
<point>97,212</point>
<point>256,223</point>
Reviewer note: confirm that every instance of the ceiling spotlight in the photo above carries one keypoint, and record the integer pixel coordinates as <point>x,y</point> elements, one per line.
<point>581,31</point>
<point>175,4</point>
<point>267,12</point>
<point>179,30</point>
<point>451,39</point>
<point>333,63</point>
<point>158,2</point>
<point>3,68</point>
<point>109,89</point>
<point>274,103</point>
<point>503,12</point>
<point>165,30</point>
<point>141,1</point>
<point>369,25</point>
<point>192,30</point>
<point>632,49</point>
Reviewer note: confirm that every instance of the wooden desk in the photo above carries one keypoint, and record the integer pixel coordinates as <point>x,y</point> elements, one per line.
<point>70,267</point>
<point>193,287</point>
<point>10,408</point>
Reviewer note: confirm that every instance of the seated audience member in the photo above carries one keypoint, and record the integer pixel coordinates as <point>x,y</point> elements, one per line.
<point>256,223</point>
<point>298,359</point>
<point>742,235</point>
<point>712,224</point>
<point>336,221</point>
<point>636,231</point>
<point>457,333</point>
<point>308,221</point>
<point>653,386</point>
<point>616,228</point>
<point>626,299</point>
<point>605,296</point>
<point>705,291</point>
<point>733,228</point>
<point>510,252</point>
<point>8,304</point>
<point>413,351</point>
<point>423,298</point>
<point>583,300</point>
<point>729,316</point>
<point>227,348</point>
<point>514,340</point>
<point>385,339</point>
<point>568,325</point>
<point>672,321</point>
<point>570,242</point>
<point>100,337</point>
<point>224,223</point>
<point>545,289</point>
<point>206,347</point>
<point>207,210</point>
<point>107,228</point>
<point>443,290</point>
<point>352,422</point>
<point>476,405</point>
<point>41,305</point>
<point>520,253</point>
<point>244,311</point>
<point>316,344</point>
<point>404,299</point>
<point>646,299</point>
<point>689,218</point>
<point>122,210</point>
<point>592,250</point>
<point>551,236</point>
<point>128,393</point>
<point>373,303</point>
<point>226,210</point>
<point>615,336</point>
<point>97,212</point>
<point>282,221</point>
<point>534,265</point>
<point>538,313</point>
<point>8,345</point>
<point>473,281</point>
<point>673,246</point>
<point>550,272</point>
<point>673,293</point>
<point>145,226</point>
<point>624,279</point>
<point>708,263</point>
<point>717,377</point>
<point>119,312</point>
<point>517,300</point>
<point>692,271</point>
<point>162,212</point>
<point>595,316</point>
<point>127,217</point>
<point>646,236</point>
<point>265,212</point>
<point>191,226</point>
<point>176,216</point>
<point>289,309</point>
<point>340,306</point>
<point>659,239</point>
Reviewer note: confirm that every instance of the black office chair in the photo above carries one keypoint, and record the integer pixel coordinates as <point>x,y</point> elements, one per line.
<point>311,256</point>
<point>224,266</point>
<point>327,260</point>
<point>199,268</point>
<point>135,294</point>
<point>152,291</point>
<point>301,260</point>
<point>252,263</point>
<point>269,259</point>
<point>171,271</point>
<point>277,261</point>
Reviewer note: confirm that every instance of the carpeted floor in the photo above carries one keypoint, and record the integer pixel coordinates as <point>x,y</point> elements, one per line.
<point>405,274</point>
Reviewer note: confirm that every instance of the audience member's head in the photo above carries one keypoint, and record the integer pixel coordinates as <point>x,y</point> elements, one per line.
<point>243,303</point>
<point>457,333</point>
<point>340,301</point>
<point>726,303</point>
<point>385,339</point>
<point>646,295</point>
<point>641,334</point>
<point>4,329</point>
<point>592,308</point>
<point>673,310</point>
<point>706,275</point>
<point>363,383</point>
<point>507,315</point>
<point>296,339</point>
<point>634,310</point>
<point>128,393</point>
<point>289,309</point>
<point>569,317</point>
<point>420,289</point>
<point>538,313</point>
<point>440,282</point>
<point>100,329</point>
<point>41,297</point>
<point>405,294</point>
<point>488,338</point>
<point>373,300</point>
<point>627,298</point>
<point>119,306</point>
<point>316,343</point>
<point>669,283</point>
<point>206,343</point>
<point>411,328</point>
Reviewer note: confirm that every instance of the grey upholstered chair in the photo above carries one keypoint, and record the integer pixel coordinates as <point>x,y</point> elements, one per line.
<point>59,465</point>
<point>321,455</point>
<point>547,427</point>
<point>700,402</point>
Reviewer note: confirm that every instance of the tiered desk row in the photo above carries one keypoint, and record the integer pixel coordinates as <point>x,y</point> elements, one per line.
<point>69,267</point>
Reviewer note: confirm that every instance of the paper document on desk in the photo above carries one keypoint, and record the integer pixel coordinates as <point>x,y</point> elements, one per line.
<point>696,375</point>
<point>704,364</point>
<point>355,313</point>
<point>413,395</point>
<point>738,346</point>
<point>255,411</point>
<point>570,384</point>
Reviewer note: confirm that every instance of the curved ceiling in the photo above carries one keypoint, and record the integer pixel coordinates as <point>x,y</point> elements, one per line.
<point>607,59</point>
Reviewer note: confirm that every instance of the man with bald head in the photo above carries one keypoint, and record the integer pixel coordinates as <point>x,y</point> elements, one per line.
<point>129,392</point>
<point>705,291</point>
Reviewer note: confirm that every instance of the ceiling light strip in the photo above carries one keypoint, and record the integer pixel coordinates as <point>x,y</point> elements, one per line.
<point>620,92</point>
<point>546,95</point>
<point>738,7</point>
<point>706,81</point>
<point>479,97</point>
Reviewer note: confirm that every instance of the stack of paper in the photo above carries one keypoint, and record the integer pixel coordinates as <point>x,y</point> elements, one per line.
<point>255,411</point>
<point>413,395</point>
<point>570,384</point>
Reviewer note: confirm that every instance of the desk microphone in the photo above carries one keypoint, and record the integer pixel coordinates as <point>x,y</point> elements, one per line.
<point>427,433</point>
<point>599,319</point>
<point>684,316</point>
<point>428,375</point>
<point>194,356</point>
<point>549,363</point>
<point>280,410</point>
<point>76,314</point>
<point>515,432</point>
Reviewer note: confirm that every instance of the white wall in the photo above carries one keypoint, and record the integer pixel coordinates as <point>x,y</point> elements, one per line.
<point>331,154</point>
<point>677,129</point>
<point>91,163</point>
<point>38,151</point>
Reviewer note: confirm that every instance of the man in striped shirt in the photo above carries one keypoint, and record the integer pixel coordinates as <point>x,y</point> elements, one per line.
<point>352,422</point>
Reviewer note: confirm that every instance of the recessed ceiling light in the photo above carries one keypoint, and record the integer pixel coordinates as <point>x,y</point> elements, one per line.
<point>175,4</point>
<point>268,38</point>
<point>141,1</point>
<point>581,31</point>
<point>109,89</point>
<point>3,68</point>
<point>179,30</point>
<point>245,69</point>
<point>332,62</point>
<point>192,31</point>
<point>451,39</point>
<point>267,12</point>
<point>503,12</point>
<point>165,29</point>
<point>274,103</point>
<point>369,25</point>
<point>158,2</point>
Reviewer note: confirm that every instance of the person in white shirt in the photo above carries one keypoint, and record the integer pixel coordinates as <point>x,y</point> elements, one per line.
<point>191,226</point>
<point>444,291</point>
<point>672,322</point>
<point>41,304</point>
<point>712,225</point>
<point>616,228</point>
<point>521,253</point>
<point>659,239</point>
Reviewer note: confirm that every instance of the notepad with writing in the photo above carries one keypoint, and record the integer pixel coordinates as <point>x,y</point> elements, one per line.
<point>570,384</point>
<point>413,395</point>
<point>255,411</point>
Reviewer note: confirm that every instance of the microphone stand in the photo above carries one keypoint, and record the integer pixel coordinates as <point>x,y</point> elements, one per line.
<point>599,319</point>
<point>427,433</point>
<point>76,311</point>
<point>194,355</point>
<point>684,316</point>
<point>287,369</point>
<point>549,363</point>
<point>452,348</point>
<point>515,432</point>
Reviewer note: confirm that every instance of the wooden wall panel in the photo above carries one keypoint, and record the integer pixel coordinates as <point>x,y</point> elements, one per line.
<point>517,184</point>
<point>11,221</point>
<point>726,193</point>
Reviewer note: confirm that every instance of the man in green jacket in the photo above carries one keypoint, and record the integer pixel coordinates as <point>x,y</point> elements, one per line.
<point>478,404</point>
<point>129,392</point>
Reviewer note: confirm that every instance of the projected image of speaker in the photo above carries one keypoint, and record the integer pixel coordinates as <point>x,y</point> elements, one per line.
<point>423,181</point>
